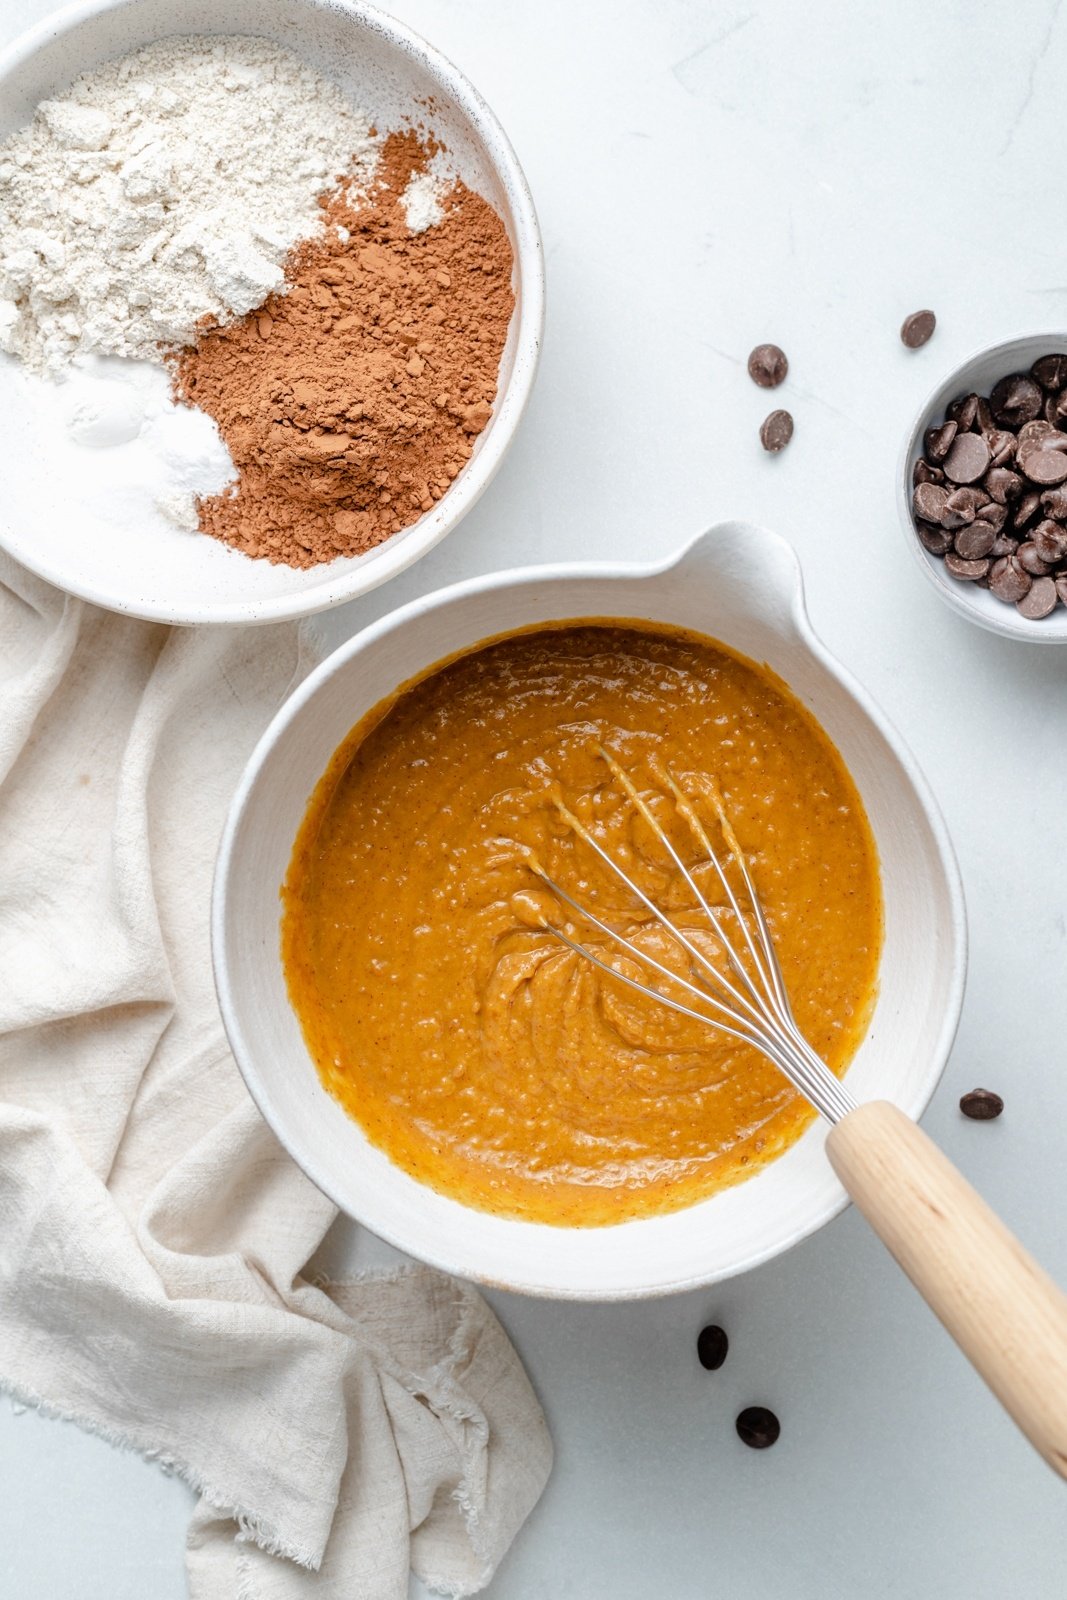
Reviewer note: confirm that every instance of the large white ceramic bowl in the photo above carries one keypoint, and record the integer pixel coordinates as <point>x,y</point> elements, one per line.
<point>394,76</point>
<point>738,584</point>
<point>977,375</point>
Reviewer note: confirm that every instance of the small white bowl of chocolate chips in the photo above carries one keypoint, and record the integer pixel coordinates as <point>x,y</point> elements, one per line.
<point>984,489</point>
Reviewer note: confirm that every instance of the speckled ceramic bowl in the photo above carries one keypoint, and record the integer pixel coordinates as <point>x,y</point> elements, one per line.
<point>978,375</point>
<point>738,584</point>
<point>394,76</point>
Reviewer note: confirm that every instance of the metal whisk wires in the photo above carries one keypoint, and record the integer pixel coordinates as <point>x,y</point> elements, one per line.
<point>746,1000</point>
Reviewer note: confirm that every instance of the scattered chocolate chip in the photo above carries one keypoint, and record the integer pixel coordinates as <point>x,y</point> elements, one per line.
<point>1008,580</point>
<point>981,1105</point>
<point>975,542</point>
<point>777,430</point>
<point>1050,541</point>
<point>936,441</point>
<point>712,1346</point>
<point>1002,485</point>
<point>935,539</point>
<point>917,329</point>
<point>1039,600</point>
<point>1014,400</point>
<point>1050,371</point>
<point>1031,561</point>
<point>757,1427</point>
<point>968,458</point>
<point>963,411</point>
<point>923,472</point>
<point>767,366</point>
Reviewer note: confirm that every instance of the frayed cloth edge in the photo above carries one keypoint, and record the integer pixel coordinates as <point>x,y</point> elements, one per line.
<point>441,1377</point>
<point>250,1528</point>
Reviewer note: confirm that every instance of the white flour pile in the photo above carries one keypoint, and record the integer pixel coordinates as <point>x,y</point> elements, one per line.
<point>164,187</point>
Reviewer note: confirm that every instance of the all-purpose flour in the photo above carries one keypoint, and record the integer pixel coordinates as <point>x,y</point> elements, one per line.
<point>164,187</point>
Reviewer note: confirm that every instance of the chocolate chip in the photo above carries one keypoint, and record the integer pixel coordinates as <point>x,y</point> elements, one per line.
<point>1031,560</point>
<point>1054,504</point>
<point>767,366</point>
<point>963,411</point>
<point>928,501</point>
<point>975,542</point>
<point>1008,580</point>
<point>1050,371</point>
<point>961,507</point>
<point>1001,447</point>
<point>1050,541</point>
<point>1061,590</point>
<point>1014,400</point>
<point>1002,485</point>
<point>923,472</point>
<point>983,417</point>
<point>712,1345</point>
<point>776,431</point>
<point>968,459</point>
<point>1026,510</point>
<point>1034,433</point>
<point>936,441</point>
<point>966,571</point>
<point>1003,545</point>
<point>996,515</point>
<point>937,540</point>
<point>757,1427</point>
<point>1055,409</point>
<point>1044,464</point>
<point>1039,601</point>
<point>981,1105</point>
<point>917,329</point>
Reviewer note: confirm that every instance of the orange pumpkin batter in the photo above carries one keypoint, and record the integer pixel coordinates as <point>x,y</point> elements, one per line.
<point>483,1056</point>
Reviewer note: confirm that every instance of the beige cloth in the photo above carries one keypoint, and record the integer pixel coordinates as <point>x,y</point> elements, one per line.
<point>152,1232</point>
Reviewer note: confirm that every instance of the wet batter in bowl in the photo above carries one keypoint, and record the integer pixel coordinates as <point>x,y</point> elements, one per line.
<point>482,1055</point>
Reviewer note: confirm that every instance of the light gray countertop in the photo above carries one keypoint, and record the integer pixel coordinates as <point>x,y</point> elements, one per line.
<point>710,175</point>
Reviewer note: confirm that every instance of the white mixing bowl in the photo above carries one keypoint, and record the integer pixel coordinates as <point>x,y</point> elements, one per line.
<point>738,584</point>
<point>393,75</point>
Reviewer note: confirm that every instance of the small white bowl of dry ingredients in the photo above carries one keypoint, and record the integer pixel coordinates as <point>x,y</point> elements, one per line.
<point>984,489</point>
<point>271,301</point>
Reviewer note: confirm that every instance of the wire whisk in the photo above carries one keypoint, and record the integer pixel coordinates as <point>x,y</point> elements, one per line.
<point>748,1001</point>
<point>1004,1312</point>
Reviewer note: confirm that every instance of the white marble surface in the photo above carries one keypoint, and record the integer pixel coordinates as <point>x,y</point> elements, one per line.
<point>711,173</point>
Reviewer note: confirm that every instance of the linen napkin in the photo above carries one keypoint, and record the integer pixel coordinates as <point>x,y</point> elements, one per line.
<point>153,1234</point>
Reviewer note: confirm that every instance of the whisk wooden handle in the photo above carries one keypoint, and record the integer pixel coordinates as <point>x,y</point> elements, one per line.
<point>1002,1309</point>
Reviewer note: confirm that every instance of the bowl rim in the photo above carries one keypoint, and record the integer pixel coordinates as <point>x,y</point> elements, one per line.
<point>956,595</point>
<point>407,616</point>
<point>404,549</point>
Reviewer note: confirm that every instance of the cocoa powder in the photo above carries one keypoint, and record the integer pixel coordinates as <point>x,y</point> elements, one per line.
<point>350,403</point>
